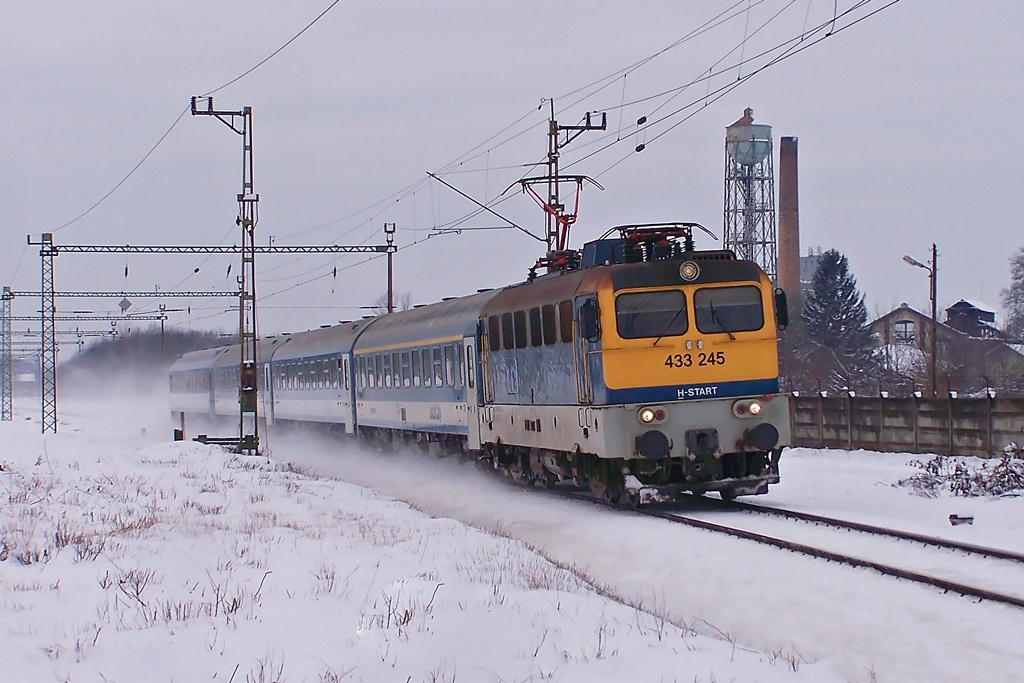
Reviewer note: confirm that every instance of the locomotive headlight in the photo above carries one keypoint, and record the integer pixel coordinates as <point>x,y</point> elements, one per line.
<point>747,408</point>
<point>689,271</point>
<point>651,415</point>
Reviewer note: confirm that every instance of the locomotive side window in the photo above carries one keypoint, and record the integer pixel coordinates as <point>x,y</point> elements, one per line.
<point>728,309</point>
<point>535,333</point>
<point>508,337</point>
<point>547,315</point>
<point>651,314</point>
<point>565,321</point>
<point>520,328</point>
<point>493,334</point>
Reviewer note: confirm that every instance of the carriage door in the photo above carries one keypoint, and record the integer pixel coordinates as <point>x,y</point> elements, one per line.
<point>474,392</point>
<point>268,391</point>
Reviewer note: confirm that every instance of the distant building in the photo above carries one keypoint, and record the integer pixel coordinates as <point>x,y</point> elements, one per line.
<point>808,264</point>
<point>966,361</point>
<point>974,319</point>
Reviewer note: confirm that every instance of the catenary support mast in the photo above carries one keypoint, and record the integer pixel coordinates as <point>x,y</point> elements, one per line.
<point>240,122</point>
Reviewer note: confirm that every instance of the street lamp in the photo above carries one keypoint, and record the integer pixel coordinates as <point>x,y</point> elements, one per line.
<point>932,275</point>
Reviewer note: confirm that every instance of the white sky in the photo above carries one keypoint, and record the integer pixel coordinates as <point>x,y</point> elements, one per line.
<point>905,124</point>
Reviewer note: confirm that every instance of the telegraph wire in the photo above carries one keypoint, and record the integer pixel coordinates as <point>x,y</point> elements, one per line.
<point>130,173</point>
<point>275,52</point>
<point>186,110</point>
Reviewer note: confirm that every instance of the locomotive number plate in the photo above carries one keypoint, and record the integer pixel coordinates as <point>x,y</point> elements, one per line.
<point>688,360</point>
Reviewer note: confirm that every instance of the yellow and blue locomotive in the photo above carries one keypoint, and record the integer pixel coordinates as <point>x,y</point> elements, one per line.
<point>643,364</point>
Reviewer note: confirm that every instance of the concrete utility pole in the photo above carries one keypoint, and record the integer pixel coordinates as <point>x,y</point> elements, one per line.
<point>933,271</point>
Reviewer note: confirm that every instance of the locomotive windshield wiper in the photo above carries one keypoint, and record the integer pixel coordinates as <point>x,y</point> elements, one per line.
<point>715,318</point>
<point>669,325</point>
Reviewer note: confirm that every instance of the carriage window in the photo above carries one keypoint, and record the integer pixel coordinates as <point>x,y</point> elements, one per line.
<point>508,337</point>
<point>449,370</point>
<point>651,314</point>
<point>387,369</point>
<point>470,369</point>
<point>547,316</point>
<point>535,332</point>
<point>728,309</point>
<point>565,320</point>
<point>438,367</point>
<point>345,374</point>
<point>361,371</point>
<point>520,328</point>
<point>460,377</point>
<point>493,334</point>
<point>396,369</point>
<point>406,379</point>
<point>320,375</point>
<point>417,372</point>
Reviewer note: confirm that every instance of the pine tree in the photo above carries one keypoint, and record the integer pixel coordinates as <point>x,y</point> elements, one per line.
<point>1012,298</point>
<point>835,315</point>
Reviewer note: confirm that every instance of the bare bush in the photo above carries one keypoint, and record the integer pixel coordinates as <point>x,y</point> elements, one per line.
<point>1004,477</point>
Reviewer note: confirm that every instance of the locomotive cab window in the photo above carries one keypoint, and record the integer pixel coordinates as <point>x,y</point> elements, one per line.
<point>550,330</point>
<point>508,337</point>
<point>565,321</point>
<point>535,330</point>
<point>520,329</point>
<point>493,334</point>
<point>651,314</point>
<point>728,309</point>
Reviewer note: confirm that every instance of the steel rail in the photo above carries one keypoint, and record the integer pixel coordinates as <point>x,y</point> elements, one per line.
<point>812,551</point>
<point>871,529</point>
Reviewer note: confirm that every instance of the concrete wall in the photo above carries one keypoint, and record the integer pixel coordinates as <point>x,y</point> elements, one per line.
<point>944,426</point>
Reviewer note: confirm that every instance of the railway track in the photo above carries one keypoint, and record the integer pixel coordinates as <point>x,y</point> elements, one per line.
<point>945,584</point>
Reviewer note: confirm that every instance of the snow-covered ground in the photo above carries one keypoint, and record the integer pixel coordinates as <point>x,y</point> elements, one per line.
<point>129,558</point>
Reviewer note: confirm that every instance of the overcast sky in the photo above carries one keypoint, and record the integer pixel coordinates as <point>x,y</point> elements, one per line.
<point>908,127</point>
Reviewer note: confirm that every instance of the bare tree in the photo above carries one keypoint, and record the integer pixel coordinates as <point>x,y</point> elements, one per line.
<point>403,302</point>
<point>1013,297</point>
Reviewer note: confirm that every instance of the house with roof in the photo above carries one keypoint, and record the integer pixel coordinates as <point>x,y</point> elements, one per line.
<point>972,352</point>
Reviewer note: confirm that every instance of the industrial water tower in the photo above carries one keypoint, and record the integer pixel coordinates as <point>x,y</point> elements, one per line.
<point>750,193</point>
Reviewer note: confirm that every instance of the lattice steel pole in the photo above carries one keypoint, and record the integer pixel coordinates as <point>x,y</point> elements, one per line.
<point>7,363</point>
<point>48,354</point>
